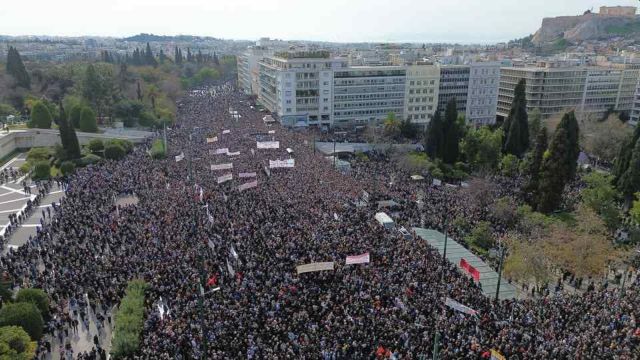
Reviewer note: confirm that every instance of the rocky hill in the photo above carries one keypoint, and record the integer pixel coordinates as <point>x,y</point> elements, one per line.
<point>586,27</point>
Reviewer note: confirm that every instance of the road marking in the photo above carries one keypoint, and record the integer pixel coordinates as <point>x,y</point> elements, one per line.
<point>11,201</point>
<point>10,162</point>
<point>10,211</point>
<point>30,225</point>
<point>13,190</point>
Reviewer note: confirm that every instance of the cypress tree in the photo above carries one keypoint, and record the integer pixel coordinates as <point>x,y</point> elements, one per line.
<point>434,137</point>
<point>68,136</point>
<point>40,116</point>
<point>570,125</point>
<point>451,133</point>
<point>533,170</point>
<point>553,173</point>
<point>16,68</point>
<point>149,59</point>
<point>189,56</point>
<point>161,56</point>
<point>516,126</point>
<point>177,57</point>
<point>215,59</point>
<point>629,182</point>
<point>624,156</point>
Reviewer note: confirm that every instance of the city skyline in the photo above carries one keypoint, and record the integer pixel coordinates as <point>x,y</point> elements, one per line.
<point>457,21</point>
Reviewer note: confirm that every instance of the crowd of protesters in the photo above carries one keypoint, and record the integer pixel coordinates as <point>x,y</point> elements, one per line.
<point>243,247</point>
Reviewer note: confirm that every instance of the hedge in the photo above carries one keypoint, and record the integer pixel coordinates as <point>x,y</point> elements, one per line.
<point>129,320</point>
<point>37,297</point>
<point>114,152</point>
<point>96,146</point>
<point>15,344</point>
<point>67,168</point>
<point>25,315</point>
<point>41,170</point>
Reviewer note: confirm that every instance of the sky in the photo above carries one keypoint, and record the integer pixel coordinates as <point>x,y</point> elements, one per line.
<point>463,21</point>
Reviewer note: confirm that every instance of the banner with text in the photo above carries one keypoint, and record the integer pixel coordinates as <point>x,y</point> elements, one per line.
<point>318,266</point>
<point>289,163</point>
<point>222,166</point>
<point>247,175</point>
<point>225,178</point>
<point>358,259</point>
<point>268,144</point>
<point>211,140</point>
<point>459,307</point>
<point>248,185</point>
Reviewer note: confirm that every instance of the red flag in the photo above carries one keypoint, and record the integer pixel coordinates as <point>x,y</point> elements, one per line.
<point>212,281</point>
<point>474,273</point>
<point>464,264</point>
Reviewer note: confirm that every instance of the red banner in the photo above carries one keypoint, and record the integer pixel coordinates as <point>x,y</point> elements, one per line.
<point>464,264</point>
<point>475,274</point>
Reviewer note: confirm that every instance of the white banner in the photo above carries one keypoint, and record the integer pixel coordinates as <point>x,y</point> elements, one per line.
<point>233,153</point>
<point>358,259</point>
<point>268,144</point>
<point>222,166</point>
<point>213,139</point>
<point>226,131</point>
<point>459,307</point>
<point>180,157</point>
<point>318,266</point>
<point>272,131</point>
<point>221,151</point>
<point>437,182</point>
<point>289,163</point>
<point>247,175</point>
<point>248,185</point>
<point>233,252</point>
<point>225,178</point>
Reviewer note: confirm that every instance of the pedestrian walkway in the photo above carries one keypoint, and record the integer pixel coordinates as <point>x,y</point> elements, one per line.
<point>455,252</point>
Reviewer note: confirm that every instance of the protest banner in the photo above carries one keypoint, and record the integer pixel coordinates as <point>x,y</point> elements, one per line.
<point>221,151</point>
<point>289,163</point>
<point>358,259</point>
<point>211,140</point>
<point>226,131</point>
<point>268,144</point>
<point>459,307</point>
<point>225,178</point>
<point>247,175</point>
<point>317,266</point>
<point>222,166</point>
<point>180,157</point>
<point>248,185</point>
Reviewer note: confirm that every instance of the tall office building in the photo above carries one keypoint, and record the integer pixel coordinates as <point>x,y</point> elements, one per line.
<point>454,83</point>
<point>421,92</point>
<point>482,95</point>
<point>367,94</point>
<point>590,91</point>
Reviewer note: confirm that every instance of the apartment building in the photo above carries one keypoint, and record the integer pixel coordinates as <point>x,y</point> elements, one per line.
<point>634,117</point>
<point>421,92</point>
<point>297,86</point>
<point>248,69</point>
<point>590,91</point>
<point>482,95</point>
<point>367,94</point>
<point>454,83</point>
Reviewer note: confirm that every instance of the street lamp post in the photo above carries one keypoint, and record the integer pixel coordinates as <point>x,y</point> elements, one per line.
<point>502,248</point>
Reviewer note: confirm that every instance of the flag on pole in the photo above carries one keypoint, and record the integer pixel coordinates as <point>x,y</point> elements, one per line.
<point>180,157</point>
<point>213,280</point>
<point>459,307</point>
<point>201,195</point>
<point>233,252</point>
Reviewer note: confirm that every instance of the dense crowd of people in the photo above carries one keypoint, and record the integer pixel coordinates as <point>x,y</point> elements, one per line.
<point>243,247</point>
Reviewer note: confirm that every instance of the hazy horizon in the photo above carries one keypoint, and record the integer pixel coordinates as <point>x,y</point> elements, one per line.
<point>456,21</point>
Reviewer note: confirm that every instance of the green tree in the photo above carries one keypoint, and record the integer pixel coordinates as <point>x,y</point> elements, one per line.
<point>570,125</point>
<point>128,111</point>
<point>37,297</point>
<point>41,170</point>
<point>15,344</point>
<point>391,126</point>
<point>6,110</point>
<point>96,146</point>
<point>624,155</point>
<point>149,59</point>
<point>16,68</point>
<point>408,129</point>
<point>509,165</point>
<point>67,168</point>
<point>74,115</point>
<point>114,152</point>
<point>25,315</point>
<point>517,124</point>
<point>634,212</point>
<point>553,173</point>
<point>40,116</point>
<point>629,182</point>
<point>535,124</point>
<point>38,154</point>
<point>481,148</point>
<point>481,236</point>
<point>68,136</point>
<point>534,162</point>
<point>434,138</point>
<point>88,120</point>
<point>129,320</point>
<point>600,195</point>
<point>452,133</point>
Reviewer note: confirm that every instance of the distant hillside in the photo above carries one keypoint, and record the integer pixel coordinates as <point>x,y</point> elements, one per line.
<point>161,38</point>
<point>589,26</point>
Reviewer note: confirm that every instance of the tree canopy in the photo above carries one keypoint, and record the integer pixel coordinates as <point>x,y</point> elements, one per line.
<point>516,125</point>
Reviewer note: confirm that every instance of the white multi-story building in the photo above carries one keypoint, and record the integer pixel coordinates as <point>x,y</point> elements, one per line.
<point>482,95</point>
<point>421,92</point>
<point>367,94</point>
<point>248,69</point>
<point>297,86</point>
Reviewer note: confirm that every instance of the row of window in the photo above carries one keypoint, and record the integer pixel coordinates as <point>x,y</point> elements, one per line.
<point>424,99</point>
<point>423,91</point>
